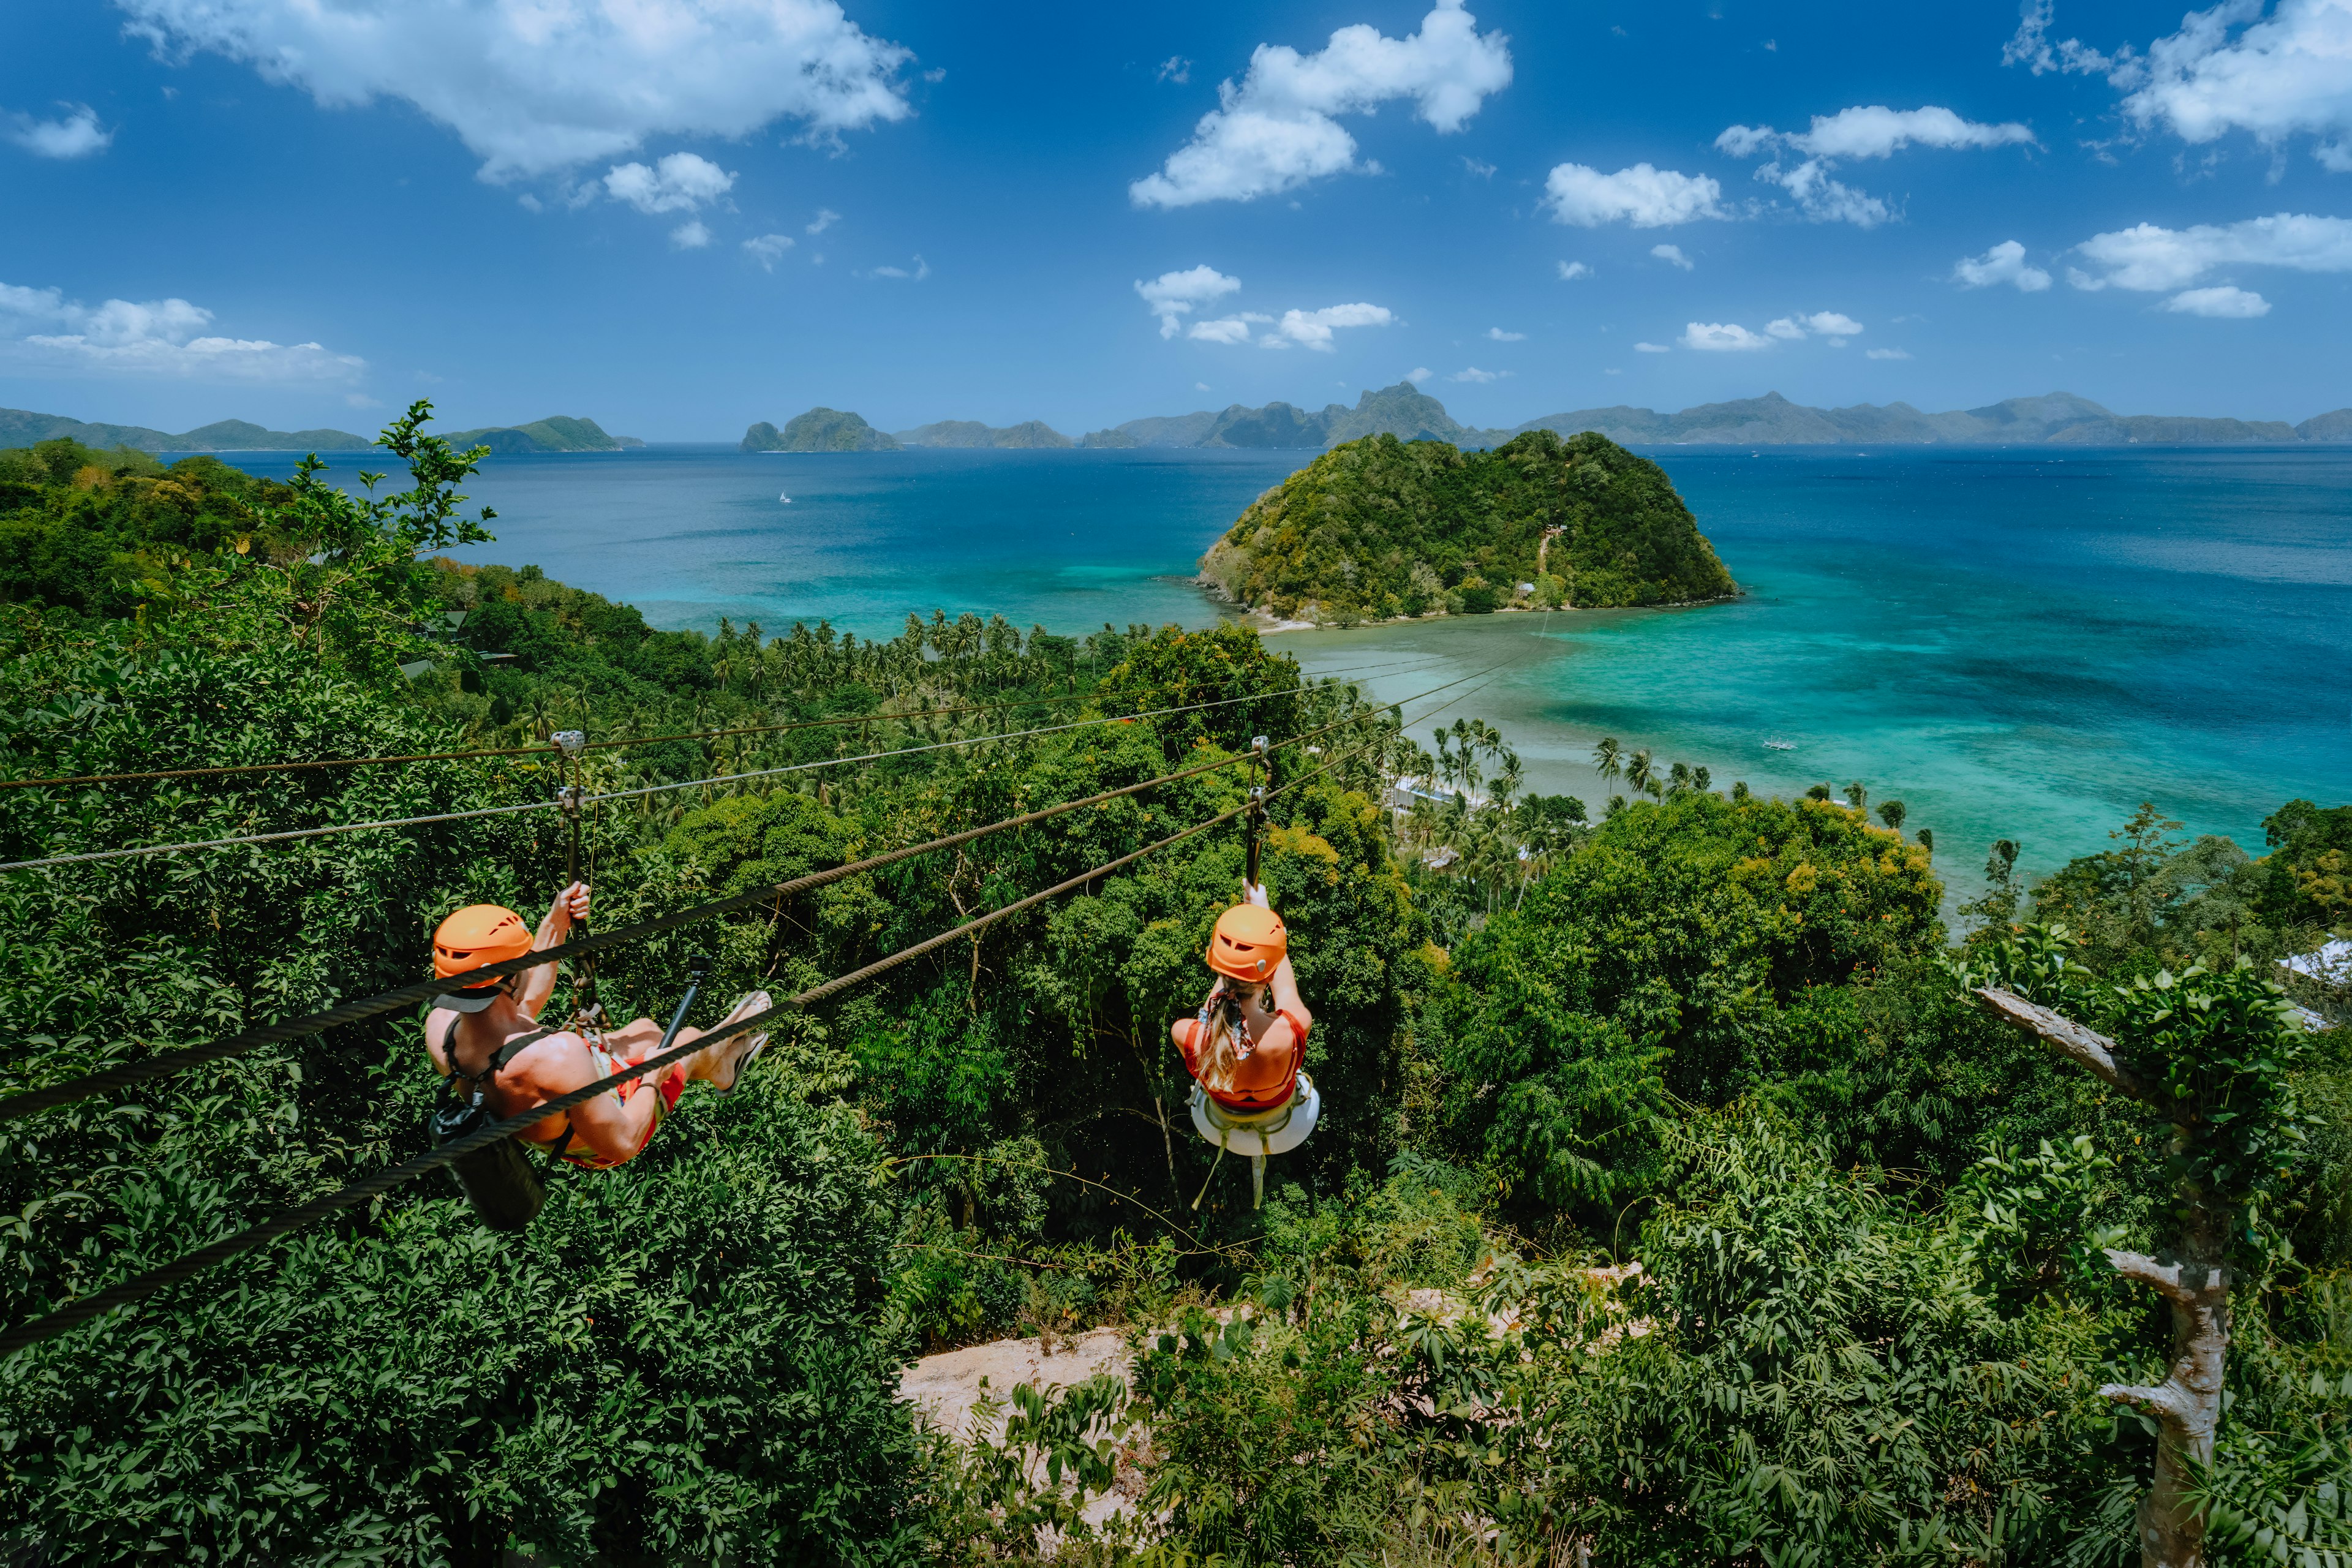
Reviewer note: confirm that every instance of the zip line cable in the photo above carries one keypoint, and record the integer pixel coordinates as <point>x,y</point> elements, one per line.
<point>543,749</point>
<point>133,1073</point>
<point>285,1221</point>
<point>92,856</point>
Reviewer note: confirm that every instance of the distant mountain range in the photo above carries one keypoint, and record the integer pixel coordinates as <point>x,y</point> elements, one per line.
<point>556,433</point>
<point>1408,412</point>
<point>1029,434</point>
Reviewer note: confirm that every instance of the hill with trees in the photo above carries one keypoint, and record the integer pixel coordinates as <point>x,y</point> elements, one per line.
<point>556,433</point>
<point>1381,528</point>
<point>819,430</point>
<point>1029,434</point>
<point>1680,1196</point>
<point>22,428</point>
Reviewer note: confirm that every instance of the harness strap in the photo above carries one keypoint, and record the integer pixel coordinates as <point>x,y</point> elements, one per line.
<point>498,1060</point>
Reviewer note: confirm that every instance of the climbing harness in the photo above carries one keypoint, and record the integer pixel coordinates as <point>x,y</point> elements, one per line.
<point>1275,1132</point>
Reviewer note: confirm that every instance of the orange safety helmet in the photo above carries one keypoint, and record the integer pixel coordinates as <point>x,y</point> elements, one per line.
<point>475,935</point>
<point>1248,944</point>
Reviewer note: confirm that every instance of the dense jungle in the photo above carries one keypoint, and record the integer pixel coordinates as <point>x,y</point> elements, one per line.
<point>1677,1197</point>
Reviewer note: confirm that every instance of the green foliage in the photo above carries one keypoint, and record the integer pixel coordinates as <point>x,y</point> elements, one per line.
<point>1377,527</point>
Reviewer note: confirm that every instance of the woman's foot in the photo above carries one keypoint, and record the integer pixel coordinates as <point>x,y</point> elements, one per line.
<point>734,1054</point>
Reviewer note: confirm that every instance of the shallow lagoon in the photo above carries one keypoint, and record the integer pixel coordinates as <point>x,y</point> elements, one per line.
<point>2017,643</point>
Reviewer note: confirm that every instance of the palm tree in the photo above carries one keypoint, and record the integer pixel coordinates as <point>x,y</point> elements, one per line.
<point>1608,759</point>
<point>1926,839</point>
<point>1856,796</point>
<point>1679,778</point>
<point>1641,774</point>
<point>1891,813</point>
<point>1701,780</point>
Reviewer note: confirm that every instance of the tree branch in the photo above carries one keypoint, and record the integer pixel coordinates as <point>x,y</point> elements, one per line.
<point>2164,1402</point>
<point>2165,1278</point>
<point>2087,1047</point>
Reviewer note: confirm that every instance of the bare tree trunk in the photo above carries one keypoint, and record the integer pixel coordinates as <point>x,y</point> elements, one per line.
<point>2187,1405</point>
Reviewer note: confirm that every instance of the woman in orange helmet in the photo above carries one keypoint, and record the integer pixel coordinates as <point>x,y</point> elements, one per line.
<point>491,1036</point>
<point>1245,1045</point>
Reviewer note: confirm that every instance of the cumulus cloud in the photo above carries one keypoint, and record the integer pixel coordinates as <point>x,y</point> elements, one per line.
<point>1314,328</point>
<point>1570,271</point>
<point>2152,259</point>
<point>1501,336</point>
<point>1885,353</point>
<point>1642,196</point>
<point>1176,69</point>
<point>767,250</point>
<point>1831,325</point>
<point>1652,349</point>
<point>2224,302</point>
<point>536,88</point>
<point>1279,128</point>
<point>1721,337</point>
<point>1866,131</point>
<point>2004,263</point>
<point>1419,373</point>
<point>154,338</point>
<point>1473,374</point>
<point>681,183</point>
<point>1174,294</point>
<point>76,135</point>
<point>693,235</point>
<point>1672,255</point>
<point>1224,329</point>
<point>1874,131</point>
<point>2237,65</point>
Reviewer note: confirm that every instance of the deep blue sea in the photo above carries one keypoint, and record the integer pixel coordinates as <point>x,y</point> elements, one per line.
<point>2017,643</point>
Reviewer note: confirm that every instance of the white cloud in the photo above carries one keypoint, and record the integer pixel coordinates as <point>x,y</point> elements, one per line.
<point>2152,259</point>
<point>534,88</point>
<point>767,250</point>
<point>1176,69</point>
<point>1874,131</point>
<point>1570,271</point>
<point>1483,171</point>
<point>2032,48</point>
<point>1226,330</point>
<point>1672,255</point>
<point>1866,131</point>
<point>1473,374</point>
<point>76,135</point>
<point>1199,387</point>
<point>1642,196</point>
<point>2232,68</point>
<point>922,270</point>
<point>1174,294</point>
<point>825,218</point>
<point>1314,328</point>
<point>2004,263</point>
<point>1885,353</point>
<point>1501,336</point>
<point>1722,337</point>
<point>1831,325</point>
<point>1419,373</point>
<point>2225,303</point>
<point>692,235</point>
<point>681,183</point>
<point>156,338</point>
<point>1652,349</point>
<point>1277,129</point>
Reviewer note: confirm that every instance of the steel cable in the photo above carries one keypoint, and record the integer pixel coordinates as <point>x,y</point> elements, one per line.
<point>131,1074</point>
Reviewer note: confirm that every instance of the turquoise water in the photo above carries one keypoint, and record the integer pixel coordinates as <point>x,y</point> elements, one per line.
<point>2016,644</point>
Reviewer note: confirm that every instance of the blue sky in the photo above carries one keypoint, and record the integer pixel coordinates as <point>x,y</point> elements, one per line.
<point>681,215</point>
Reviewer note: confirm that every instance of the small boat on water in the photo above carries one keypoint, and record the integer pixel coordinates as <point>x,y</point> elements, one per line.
<point>1779,745</point>
<point>785,498</point>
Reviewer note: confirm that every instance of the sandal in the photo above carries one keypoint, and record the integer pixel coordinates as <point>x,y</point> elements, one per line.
<point>747,1047</point>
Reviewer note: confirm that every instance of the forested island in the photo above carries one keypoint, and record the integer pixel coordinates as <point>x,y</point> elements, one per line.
<point>1679,1197</point>
<point>1379,528</point>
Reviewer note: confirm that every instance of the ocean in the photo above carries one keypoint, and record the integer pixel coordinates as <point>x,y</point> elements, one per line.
<point>2017,643</point>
